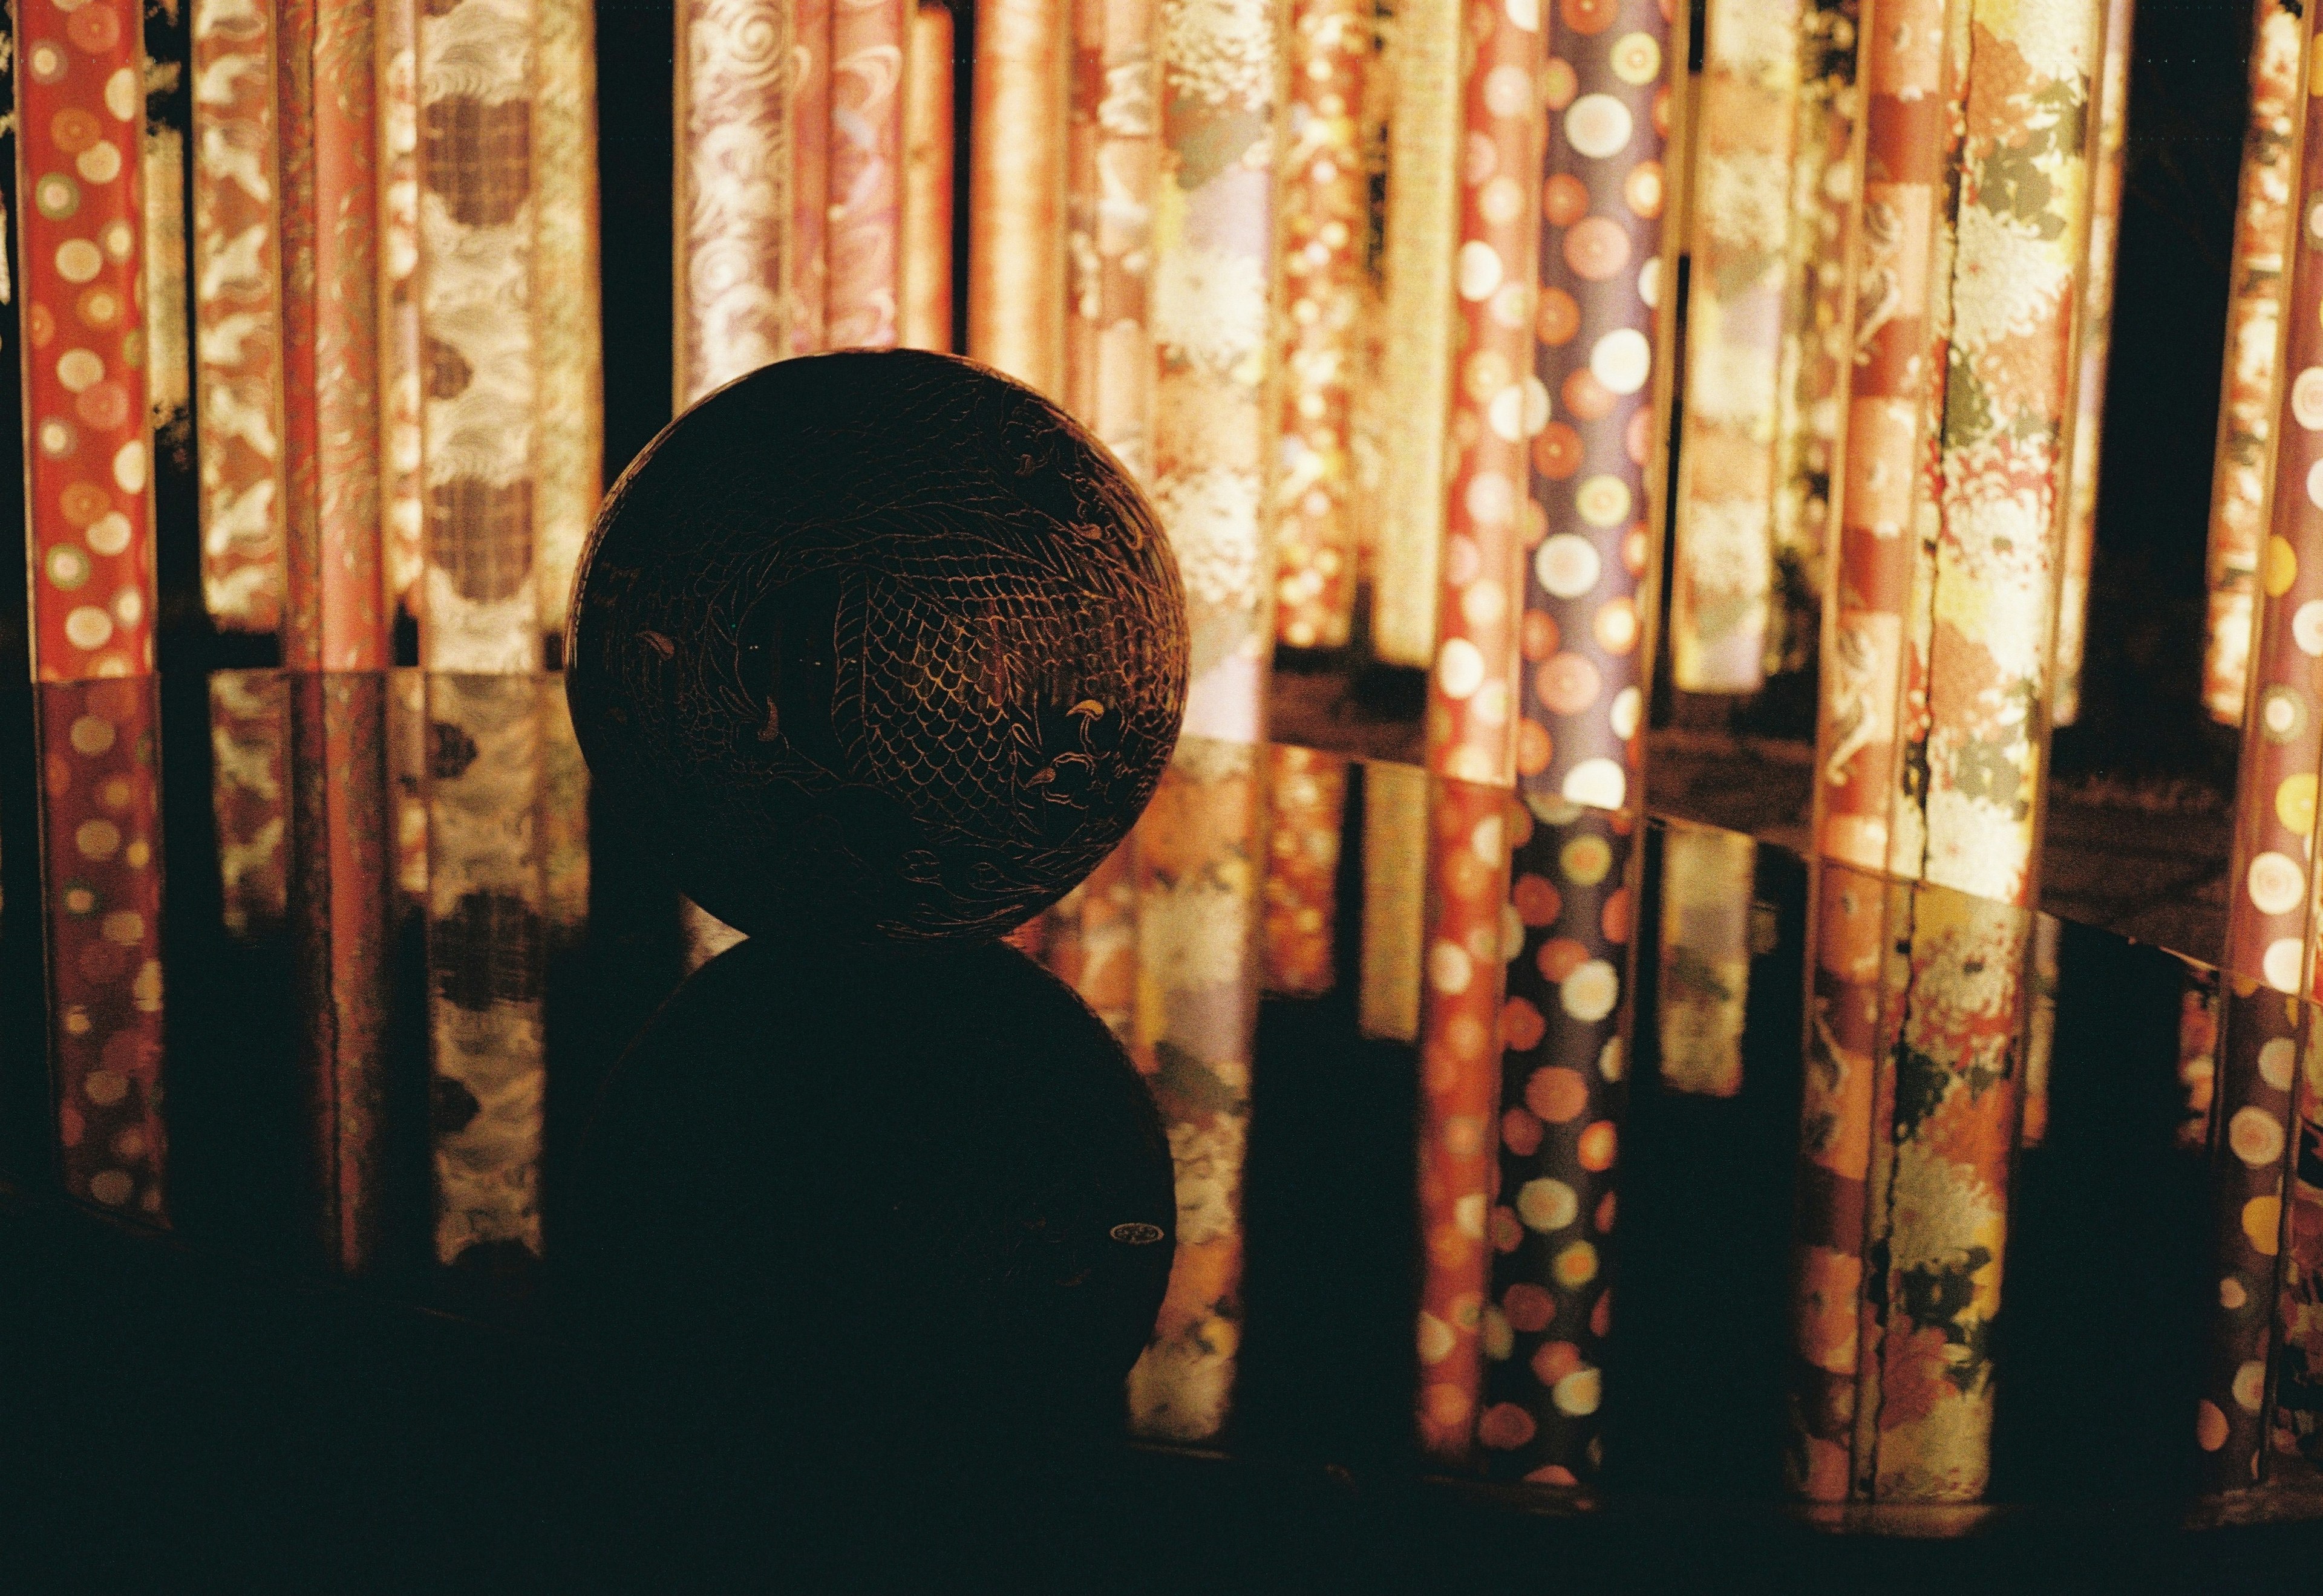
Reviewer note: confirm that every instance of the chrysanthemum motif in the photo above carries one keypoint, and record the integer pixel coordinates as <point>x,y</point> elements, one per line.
<point>1210,1170</point>
<point>1194,937</point>
<point>1726,549</point>
<point>1212,518</point>
<point>1209,306</point>
<point>2056,41</point>
<point>2005,281</point>
<point>1746,199</point>
<point>1220,52</point>
<point>1757,42</point>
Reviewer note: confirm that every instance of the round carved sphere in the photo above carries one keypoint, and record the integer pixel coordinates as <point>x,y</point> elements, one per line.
<point>881,640</point>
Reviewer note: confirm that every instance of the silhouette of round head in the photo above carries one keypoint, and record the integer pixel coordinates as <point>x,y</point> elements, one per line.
<point>884,641</point>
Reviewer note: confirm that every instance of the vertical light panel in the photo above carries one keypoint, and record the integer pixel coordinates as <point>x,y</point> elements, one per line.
<point>2109,104</point>
<point>1016,184</point>
<point>1212,220</point>
<point>400,377</point>
<point>925,318</point>
<point>249,735</point>
<point>571,465</point>
<point>1704,957</point>
<point>1409,397</point>
<point>101,852</point>
<point>1900,268</point>
<point>1489,516</point>
<point>1113,148</point>
<point>336,615</point>
<point>2270,912</point>
<point>1722,555</point>
<point>1984,619</point>
<point>237,286</point>
<point>88,471</point>
<point>1324,199</point>
<point>342,912</point>
<point>1305,804</point>
<point>1818,316</point>
<point>486,967</point>
<point>1197,868</point>
<point>477,159</point>
<point>2242,477</point>
<point>863,248</point>
<point>739,262</point>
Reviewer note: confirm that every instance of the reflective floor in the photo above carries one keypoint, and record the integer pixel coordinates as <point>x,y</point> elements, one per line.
<point>333,971</point>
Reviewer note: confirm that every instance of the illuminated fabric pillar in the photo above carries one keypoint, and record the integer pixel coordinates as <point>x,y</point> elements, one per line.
<point>2298,1385</point>
<point>1091,940</point>
<point>1471,709</point>
<point>401,378</point>
<point>924,319</point>
<point>1981,684</point>
<point>88,471</point>
<point>486,968</point>
<point>2040,1031</point>
<point>1307,801</point>
<point>1198,910</point>
<point>478,163</point>
<point>1723,557</point>
<point>1407,397</point>
<point>741,264</point>
<point>570,468</point>
<point>165,276</point>
<point>1017,181</point>
<point>1395,889</point>
<point>1903,272</point>
<point>237,326</point>
<point>2109,104</point>
<point>1114,148</point>
<point>342,914</point>
<point>406,764</point>
<point>2270,912</point>
<point>2241,479</point>
<point>2254,1131</point>
<point>1818,320</point>
<point>1705,955</point>
<point>1212,216</point>
<point>334,612</point>
<point>250,733</point>
<point>101,812</point>
<point>1323,195</point>
<point>863,288</point>
<point>1597,317</point>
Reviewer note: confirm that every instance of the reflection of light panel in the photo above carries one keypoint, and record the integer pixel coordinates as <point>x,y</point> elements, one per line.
<point>1395,886</point>
<point>102,817</point>
<point>486,958</point>
<point>250,731</point>
<point>1705,987</point>
<point>1306,799</point>
<point>342,915</point>
<point>1198,867</point>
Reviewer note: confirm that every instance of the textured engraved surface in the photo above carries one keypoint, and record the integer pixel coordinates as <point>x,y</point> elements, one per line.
<point>882,637</point>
